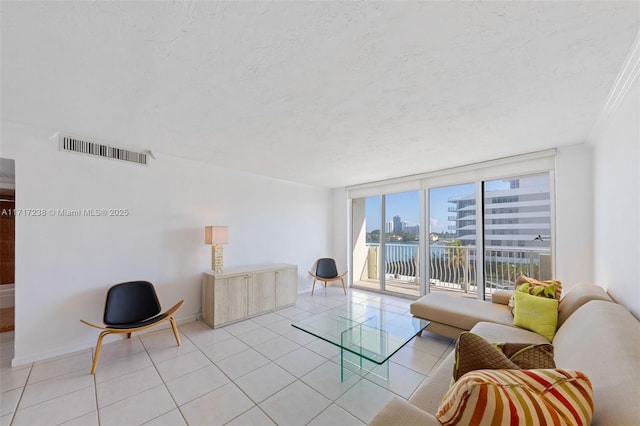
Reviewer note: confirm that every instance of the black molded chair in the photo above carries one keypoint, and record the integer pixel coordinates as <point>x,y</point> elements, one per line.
<point>327,271</point>
<point>130,307</point>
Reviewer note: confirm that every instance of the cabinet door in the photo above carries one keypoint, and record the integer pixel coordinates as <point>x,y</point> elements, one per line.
<point>286,286</point>
<point>261,292</point>
<point>230,299</point>
<point>208,283</point>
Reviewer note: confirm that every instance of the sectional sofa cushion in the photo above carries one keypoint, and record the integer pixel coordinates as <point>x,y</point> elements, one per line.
<point>578,296</point>
<point>460,313</point>
<point>602,339</point>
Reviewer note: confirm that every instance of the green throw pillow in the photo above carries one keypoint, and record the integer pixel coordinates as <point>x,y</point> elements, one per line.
<point>549,291</point>
<point>538,314</point>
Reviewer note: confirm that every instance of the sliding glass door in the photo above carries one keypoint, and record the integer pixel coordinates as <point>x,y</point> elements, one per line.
<point>517,230</point>
<point>516,235</point>
<point>402,243</point>
<point>386,247</point>
<point>452,240</point>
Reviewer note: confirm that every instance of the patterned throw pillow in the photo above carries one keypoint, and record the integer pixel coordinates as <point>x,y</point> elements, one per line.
<point>537,314</point>
<point>475,353</point>
<point>550,289</point>
<point>519,397</point>
<point>533,282</point>
<point>529,355</point>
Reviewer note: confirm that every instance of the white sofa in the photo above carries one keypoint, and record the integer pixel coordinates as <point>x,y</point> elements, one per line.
<point>596,336</point>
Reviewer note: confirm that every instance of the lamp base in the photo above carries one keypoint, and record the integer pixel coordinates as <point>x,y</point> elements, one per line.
<point>216,258</point>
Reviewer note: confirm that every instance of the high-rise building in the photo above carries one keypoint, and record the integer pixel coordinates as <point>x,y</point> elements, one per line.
<point>515,216</point>
<point>397,224</point>
<point>388,227</point>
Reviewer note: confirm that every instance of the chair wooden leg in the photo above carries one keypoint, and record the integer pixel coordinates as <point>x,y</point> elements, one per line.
<point>313,286</point>
<point>175,330</point>
<point>343,287</point>
<point>97,355</point>
<point>128,335</point>
<point>325,284</point>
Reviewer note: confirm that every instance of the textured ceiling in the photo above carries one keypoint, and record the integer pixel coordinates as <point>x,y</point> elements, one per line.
<point>322,93</point>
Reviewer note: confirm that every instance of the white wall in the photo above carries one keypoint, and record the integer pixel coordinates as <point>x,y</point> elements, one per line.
<point>64,265</point>
<point>574,216</point>
<point>617,201</point>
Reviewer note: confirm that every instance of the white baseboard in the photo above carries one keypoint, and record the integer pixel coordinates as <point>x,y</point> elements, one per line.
<point>90,344</point>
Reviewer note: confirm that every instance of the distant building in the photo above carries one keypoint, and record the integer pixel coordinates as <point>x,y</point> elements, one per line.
<point>388,227</point>
<point>397,224</point>
<point>513,217</point>
<point>411,229</point>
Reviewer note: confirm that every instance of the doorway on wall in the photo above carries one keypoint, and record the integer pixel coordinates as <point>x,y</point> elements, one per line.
<point>7,244</point>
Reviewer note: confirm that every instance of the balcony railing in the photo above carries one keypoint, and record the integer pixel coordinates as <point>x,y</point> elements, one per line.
<point>454,267</point>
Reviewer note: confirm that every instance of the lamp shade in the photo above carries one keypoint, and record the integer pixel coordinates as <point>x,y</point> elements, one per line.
<point>216,234</point>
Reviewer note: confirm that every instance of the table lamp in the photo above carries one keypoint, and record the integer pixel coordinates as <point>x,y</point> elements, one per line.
<point>216,236</point>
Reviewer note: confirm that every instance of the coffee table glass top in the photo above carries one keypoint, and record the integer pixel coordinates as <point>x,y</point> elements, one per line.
<point>368,332</point>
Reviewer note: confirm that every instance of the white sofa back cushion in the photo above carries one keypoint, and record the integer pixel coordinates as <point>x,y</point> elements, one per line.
<point>602,339</point>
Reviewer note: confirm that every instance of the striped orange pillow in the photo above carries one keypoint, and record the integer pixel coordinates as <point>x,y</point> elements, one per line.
<point>519,397</point>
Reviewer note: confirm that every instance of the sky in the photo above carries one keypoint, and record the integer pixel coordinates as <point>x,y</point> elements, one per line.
<point>407,205</point>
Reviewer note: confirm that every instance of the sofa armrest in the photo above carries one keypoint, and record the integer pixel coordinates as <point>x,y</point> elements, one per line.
<point>401,413</point>
<point>501,296</point>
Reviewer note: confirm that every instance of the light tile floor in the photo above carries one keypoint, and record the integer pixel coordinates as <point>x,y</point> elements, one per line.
<point>260,371</point>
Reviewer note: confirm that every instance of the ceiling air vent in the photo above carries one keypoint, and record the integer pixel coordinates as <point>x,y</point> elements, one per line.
<point>83,146</point>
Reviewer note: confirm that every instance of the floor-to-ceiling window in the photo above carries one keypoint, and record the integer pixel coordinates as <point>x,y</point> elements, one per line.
<point>386,247</point>
<point>467,238</point>
<point>452,239</point>
<point>517,230</point>
<point>402,243</point>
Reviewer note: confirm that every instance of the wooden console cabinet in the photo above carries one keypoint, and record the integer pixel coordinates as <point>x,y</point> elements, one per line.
<point>239,293</point>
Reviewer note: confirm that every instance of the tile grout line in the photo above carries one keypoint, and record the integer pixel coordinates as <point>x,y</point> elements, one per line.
<point>256,404</point>
<point>231,381</point>
<point>95,389</point>
<point>163,381</point>
<point>24,388</point>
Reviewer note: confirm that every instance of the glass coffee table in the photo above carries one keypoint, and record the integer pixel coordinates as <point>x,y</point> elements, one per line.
<point>367,336</point>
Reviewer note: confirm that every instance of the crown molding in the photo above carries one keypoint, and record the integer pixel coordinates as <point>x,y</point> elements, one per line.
<point>628,75</point>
